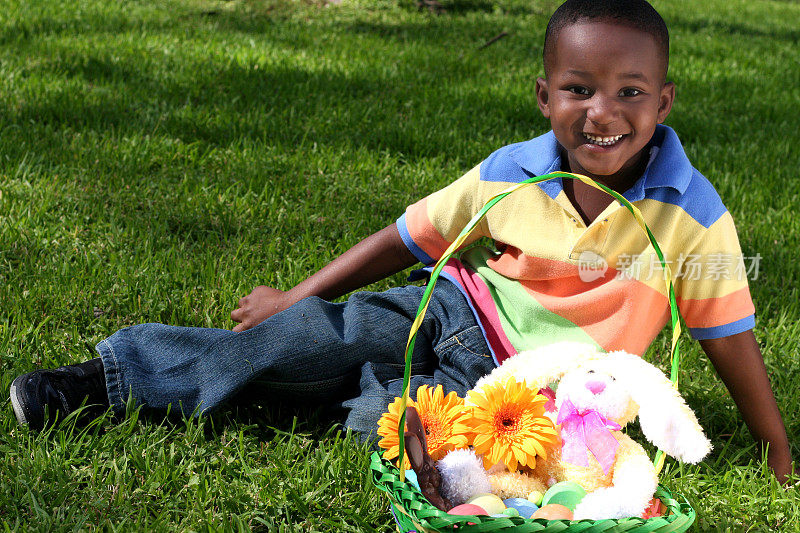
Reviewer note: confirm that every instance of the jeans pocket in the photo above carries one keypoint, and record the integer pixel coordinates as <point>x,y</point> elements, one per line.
<point>465,356</point>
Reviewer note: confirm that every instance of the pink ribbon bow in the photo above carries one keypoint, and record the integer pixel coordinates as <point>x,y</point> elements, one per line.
<point>587,431</point>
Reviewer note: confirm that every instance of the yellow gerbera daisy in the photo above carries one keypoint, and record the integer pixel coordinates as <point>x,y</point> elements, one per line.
<point>387,428</point>
<point>443,417</point>
<point>509,425</point>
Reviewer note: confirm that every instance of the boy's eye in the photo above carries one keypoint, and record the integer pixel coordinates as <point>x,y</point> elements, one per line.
<point>630,92</point>
<point>583,91</point>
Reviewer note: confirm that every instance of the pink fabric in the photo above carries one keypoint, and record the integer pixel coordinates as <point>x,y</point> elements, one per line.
<point>585,431</point>
<point>484,306</point>
<point>550,404</point>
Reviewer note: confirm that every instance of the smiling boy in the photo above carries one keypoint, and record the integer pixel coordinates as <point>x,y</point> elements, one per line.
<point>606,96</point>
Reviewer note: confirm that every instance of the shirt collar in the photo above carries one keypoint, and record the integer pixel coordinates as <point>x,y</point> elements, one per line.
<point>540,156</point>
<point>668,165</point>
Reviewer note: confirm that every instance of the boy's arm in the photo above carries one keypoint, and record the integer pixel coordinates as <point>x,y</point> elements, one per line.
<point>378,256</point>
<point>738,361</point>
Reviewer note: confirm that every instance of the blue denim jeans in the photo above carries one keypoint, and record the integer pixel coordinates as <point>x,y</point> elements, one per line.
<point>332,354</point>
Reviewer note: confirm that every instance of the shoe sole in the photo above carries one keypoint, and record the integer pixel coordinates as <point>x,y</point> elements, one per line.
<point>16,403</point>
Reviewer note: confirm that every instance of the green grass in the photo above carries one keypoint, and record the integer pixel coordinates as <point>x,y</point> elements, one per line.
<point>159,159</point>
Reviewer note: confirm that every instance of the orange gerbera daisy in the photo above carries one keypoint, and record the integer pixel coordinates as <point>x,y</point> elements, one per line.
<point>443,417</point>
<point>509,425</point>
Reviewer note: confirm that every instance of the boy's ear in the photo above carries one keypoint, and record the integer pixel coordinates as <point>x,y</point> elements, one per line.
<point>665,101</point>
<point>543,97</point>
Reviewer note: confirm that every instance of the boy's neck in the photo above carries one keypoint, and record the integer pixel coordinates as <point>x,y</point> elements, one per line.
<point>589,201</point>
<point>619,182</point>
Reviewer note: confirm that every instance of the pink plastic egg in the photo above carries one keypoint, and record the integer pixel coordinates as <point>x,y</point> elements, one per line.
<point>467,509</point>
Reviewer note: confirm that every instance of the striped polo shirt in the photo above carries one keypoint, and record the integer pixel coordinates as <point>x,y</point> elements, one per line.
<point>548,277</point>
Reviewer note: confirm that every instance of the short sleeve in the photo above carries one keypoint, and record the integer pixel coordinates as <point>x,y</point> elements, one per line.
<point>430,225</point>
<point>711,283</point>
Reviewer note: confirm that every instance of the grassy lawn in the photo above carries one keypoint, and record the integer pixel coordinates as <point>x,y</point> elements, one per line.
<point>160,158</point>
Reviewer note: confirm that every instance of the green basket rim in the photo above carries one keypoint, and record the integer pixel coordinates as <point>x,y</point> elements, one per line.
<point>407,500</point>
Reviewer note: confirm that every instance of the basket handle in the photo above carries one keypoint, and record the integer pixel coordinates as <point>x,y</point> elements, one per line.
<point>426,296</point>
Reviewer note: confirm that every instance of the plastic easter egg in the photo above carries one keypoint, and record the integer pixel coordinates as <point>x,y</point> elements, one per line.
<point>536,497</point>
<point>525,507</point>
<point>566,493</point>
<point>654,509</point>
<point>411,478</point>
<point>510,511</point>
<point>553,511</point>
<point>467,509</point>
<point>491,502</point>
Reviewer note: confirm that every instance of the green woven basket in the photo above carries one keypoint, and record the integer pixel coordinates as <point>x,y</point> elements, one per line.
<point>412,510</point>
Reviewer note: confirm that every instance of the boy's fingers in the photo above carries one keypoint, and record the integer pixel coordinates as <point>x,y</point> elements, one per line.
<point>244,326</point>
<point>236,314</point>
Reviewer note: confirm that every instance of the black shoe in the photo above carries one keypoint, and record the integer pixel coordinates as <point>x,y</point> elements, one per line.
<point>45,396</point>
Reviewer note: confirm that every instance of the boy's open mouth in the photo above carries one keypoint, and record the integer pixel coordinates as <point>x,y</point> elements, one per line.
<point>602,141</point>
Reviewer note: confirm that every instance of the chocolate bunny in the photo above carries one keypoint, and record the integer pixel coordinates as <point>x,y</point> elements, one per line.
<point>422,463</point>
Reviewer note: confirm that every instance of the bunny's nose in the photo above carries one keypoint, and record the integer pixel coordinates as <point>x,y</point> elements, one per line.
<point>595,387</point>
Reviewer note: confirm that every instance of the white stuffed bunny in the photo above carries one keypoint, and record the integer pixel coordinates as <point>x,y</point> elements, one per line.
<point>598,394</point>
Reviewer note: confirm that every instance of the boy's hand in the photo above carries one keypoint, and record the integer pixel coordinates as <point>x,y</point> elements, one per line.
<point>260,304</point>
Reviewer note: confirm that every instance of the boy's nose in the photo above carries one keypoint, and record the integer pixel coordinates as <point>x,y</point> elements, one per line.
<point>600,110</point>
<point>595,387</point>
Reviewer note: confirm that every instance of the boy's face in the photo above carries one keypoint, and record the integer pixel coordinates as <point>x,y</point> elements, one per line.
<point>604,94</point>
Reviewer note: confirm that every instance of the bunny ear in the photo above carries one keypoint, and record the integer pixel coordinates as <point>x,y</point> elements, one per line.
<point>415,426</point>
<point>542,366</point>
<point>416,455</point>
<point>664,417</point>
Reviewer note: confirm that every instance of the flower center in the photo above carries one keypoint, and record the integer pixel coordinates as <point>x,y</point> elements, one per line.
<point>507,422</point>
<point>434,432</point>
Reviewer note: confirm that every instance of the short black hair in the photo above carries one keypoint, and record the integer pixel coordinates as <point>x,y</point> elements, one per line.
<point>637,14</point>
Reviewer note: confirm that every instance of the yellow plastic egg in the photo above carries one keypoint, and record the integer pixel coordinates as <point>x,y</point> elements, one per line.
<point>491,502</point>
<point>536,497</point>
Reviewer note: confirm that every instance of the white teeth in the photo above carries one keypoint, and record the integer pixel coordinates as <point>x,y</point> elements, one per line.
<point>602,141</point>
